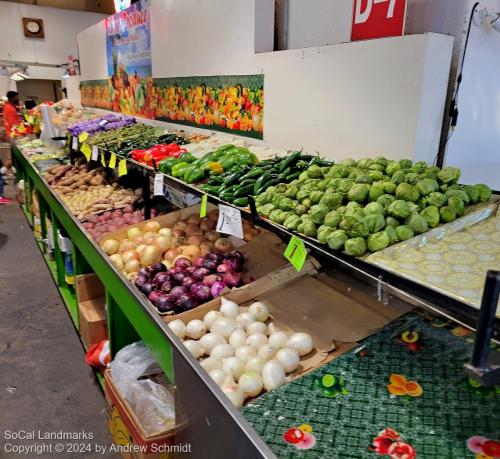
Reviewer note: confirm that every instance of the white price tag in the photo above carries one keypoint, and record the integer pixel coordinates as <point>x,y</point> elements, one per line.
<point>229,221</point>
<point>74,144</point>
<point>95,153</point>
<point>175,196</point>
<point>64,243</point>
<point>191,199</point>
<point>103,123</point>
<point>158,185</point>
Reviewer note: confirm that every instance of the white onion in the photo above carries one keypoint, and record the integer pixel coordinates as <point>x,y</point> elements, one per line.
<point>259,310</point>
<point>266,352</point>
<point>278,339</point>
<point>301,342</point>
<point>218,376</point>
<point>255,364</point>
<point>245,319</point>
<point>210,340</point>
<point>257,327</point>
<point>233,392</point>
<point>233,366</point>
<point>273,375</point>
<point>224,326</point>
<point>288,358</point>
<point>251,383</point>
<point>196,329</point>
<point>245,352</point>
<point>210,317</point>
<point>210,363</point>
<point>222,350</point>
<point>229,308</point>
<point>238,338</point>
<point>167,232</point>
<point>194,347</point>
<point>257,340</point>
<point>178,327</point>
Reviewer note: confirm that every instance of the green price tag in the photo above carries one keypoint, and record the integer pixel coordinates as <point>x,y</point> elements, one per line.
<point>203,207</point>
<point>296,252</point>
<point>112,161</point>
<point>122,167</point>
<point>86,150</point>
<point>83,137</point>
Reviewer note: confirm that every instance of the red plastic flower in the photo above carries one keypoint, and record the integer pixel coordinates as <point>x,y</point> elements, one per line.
<point>491,448</point>
<point>293,435</point>
<point>475,443</point>
<point>402,450</point>
<point>389,433</point>
<point>381,445</point>
<point>308,441</point>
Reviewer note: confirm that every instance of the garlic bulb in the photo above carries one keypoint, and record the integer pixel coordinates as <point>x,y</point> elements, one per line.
<point>178,327</point>
<point>301,342</point>
<point>257,327</point>
<point>273,375</point>
<point>222,350</point>
<point>194,347</point>
<point>210,340</point>
<point>210,317</point>
<point>251,383</point>
<point>255,364</point>
<point>259,310</point>
<point>223,326</point>
<point>195,329</point>
<point>233,366</point>
<point>238,338</point>
<point>229,308</point>
<point>233,392</point>
<point>288,358</point>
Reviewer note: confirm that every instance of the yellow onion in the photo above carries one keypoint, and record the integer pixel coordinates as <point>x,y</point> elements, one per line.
<point>163,243</point>
<point>132,266</point>
<point>130,255</point>
<point>152,226</point>
<point>132,233</point>
<point>150,255</point>
<point>111,246</point>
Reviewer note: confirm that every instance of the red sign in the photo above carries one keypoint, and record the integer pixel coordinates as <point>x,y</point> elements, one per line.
<point>378,18</point>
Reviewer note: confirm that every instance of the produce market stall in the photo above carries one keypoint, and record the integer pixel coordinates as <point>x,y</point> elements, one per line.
<point>351,297</point>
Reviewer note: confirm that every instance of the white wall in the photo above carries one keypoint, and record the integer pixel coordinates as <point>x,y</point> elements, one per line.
<point>355,99</point>
<point>475,144</point>
<point>61,27</point>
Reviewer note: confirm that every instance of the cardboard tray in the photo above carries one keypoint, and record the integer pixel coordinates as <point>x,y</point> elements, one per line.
<point>130,420</point>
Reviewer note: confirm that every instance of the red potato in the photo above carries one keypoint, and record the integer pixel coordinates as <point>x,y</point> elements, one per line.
<point>128,209</point>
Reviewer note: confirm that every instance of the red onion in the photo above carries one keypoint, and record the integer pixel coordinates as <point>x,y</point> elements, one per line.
<point>178,291</point>
<point>215,257</point>
<point>198,262</point>
<point>145,272</point>
<point>158,267</point>
<point>187,281</point>
<point>166,286</point>
<point>175,270</point>
<point>223,268</point>
<point>231,278</point>
<point>217,288</point>
<point>141,280</point>
<point>154,296</point>
<point>202,292</point>
<point>186,302</point>
<point>236,254</point>
<point>182,263</point>
<point>211,279</point>
<point>210,264</point>
<point>147,288</point>
<point>179,277</point>
<point>164,305</point>
<point>232,263</point>
<point>200,273</point>
<point>160,278</point>
<point>190,270</point>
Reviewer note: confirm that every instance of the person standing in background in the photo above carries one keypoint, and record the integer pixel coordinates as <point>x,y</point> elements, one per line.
<point>3,199</point>
<point>10,113</point>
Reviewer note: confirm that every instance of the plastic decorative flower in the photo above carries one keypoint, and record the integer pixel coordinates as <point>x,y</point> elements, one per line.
<point>330,385</point>
<point>412,340</point>
<point>483,447</point>
<point>301,437</point>
<point>400,386</point>
<point>390,443</point>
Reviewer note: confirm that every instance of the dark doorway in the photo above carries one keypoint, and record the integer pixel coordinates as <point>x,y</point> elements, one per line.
<point>39,91</point>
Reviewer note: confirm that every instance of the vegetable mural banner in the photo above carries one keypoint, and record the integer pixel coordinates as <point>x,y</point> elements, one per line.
<point>229,103</point>
<point>128,51</point>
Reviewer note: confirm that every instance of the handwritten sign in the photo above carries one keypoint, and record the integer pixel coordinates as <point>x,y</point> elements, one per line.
<point>229,221</point>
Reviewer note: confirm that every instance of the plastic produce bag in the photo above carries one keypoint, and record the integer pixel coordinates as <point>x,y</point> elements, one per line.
<point>130,363</point>
<point>153,405</point>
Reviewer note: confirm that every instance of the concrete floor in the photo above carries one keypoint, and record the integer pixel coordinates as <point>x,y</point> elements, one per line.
<point>45,384</point>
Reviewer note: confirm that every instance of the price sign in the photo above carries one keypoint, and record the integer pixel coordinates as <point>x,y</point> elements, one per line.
<point>85,149</point>
<point>95,152</point>
<point>112,161</point>
<point>74,144</point>
<point>296,252</point>
<point>158,185</point>
<point>175,196</point>
<point>103,160</point>
<point>378,18</point>
<point>229,221</point>
<point>83,137</point>
<point>122,167</point>
<point>203,207</point>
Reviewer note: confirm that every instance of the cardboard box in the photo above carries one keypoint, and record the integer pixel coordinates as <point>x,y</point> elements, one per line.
<point>91,309</point>
<point>127,430</point>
